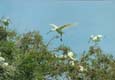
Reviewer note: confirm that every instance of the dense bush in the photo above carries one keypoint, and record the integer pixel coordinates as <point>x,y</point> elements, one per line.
<point>27,57</point>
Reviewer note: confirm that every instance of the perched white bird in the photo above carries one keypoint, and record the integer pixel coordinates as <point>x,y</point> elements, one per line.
<point>59,29</point>
<point>81,68</point>
<point>2,59</point>
<point>5,21</point>
<point>71,55</point>
<point>5,64</point>
<point>72,63</point>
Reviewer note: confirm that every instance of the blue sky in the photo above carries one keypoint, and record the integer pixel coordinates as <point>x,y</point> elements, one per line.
<point>93,17</point>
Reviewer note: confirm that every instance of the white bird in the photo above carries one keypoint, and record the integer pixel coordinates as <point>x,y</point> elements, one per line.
<point>81,68</point>
<point>5,64</point>
<point>71,55</point>
<point>96,38</point>
<point>59,29</point>
<point>5,20</point>
<point>72,63</point>
<point>2,59</point>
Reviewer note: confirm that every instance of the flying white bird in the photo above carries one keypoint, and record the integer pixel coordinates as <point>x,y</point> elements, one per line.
<point>96,38</point>
<point>59,29</point>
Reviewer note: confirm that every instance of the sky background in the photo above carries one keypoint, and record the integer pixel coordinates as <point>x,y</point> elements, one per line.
<point>93,17</point>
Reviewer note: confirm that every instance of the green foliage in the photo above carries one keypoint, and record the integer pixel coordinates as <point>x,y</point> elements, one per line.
<point>27,57</point>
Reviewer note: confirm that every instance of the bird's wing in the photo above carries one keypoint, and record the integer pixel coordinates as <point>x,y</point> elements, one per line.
<point>65,26</point>
<point>53,25</point>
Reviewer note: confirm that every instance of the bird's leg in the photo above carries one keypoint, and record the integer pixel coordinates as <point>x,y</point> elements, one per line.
<point>61,38</point>
<point>60,33</point>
